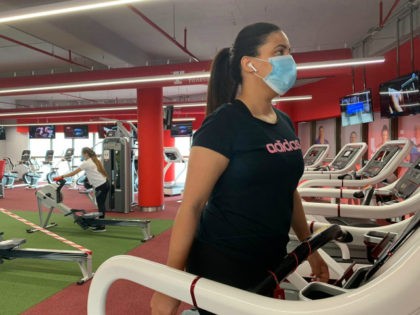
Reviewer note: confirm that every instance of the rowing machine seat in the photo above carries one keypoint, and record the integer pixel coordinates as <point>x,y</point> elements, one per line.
<point>12,243</point>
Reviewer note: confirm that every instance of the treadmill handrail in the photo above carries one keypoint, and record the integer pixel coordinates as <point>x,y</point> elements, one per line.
<point>384,211</point>
<point>398,284</point>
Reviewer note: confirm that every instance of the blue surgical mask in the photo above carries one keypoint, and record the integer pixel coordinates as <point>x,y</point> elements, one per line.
<point>283,74</point>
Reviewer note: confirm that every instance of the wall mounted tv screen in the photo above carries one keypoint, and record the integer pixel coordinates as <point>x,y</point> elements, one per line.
<point>106,131</point>
<point>401,96</point>
<point>356,108</point>
<point>42,132</point>
<point>76,132</point>
<point>2,133</point>
<point>181,129</point>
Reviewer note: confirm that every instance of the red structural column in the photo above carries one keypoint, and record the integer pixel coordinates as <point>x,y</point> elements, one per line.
<point>169,141</point>
<point>150,140</point>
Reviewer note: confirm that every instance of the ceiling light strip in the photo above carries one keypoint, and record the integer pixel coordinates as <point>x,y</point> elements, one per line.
<point>185,76</point>
<point>340,63</point>
<point>292,98</point>
<point>151,79</point>
<point>59,8</point>
<point>67,111</point>
<point>90,122</point>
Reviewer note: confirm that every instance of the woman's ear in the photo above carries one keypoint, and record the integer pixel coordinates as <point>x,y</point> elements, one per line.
<point>247,65</point>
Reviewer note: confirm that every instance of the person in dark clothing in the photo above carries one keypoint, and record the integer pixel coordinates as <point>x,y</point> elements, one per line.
<point>240,197</point>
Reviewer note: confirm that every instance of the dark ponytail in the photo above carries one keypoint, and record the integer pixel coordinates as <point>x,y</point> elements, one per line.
<point>221,85</point>
<point>226,75</point>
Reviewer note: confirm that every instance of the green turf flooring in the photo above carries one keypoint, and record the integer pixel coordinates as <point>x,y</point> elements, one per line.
<point>26,282</point>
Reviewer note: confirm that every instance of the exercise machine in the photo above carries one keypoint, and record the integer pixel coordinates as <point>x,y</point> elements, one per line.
<point>393,277</point>
<point>11,249</point>
<point>51,197</point>
<point>2,170</point>
<point>395,200</point>
<point>31,178</point>
<point>315,156</point>
<point>392,205</point>
<point>172,156</point>
<point>68,159</point>
<point>10,175</point>
<point>344,162</point>
<point>118,161</point>
<point>17,171</point>
<point>379,168</point>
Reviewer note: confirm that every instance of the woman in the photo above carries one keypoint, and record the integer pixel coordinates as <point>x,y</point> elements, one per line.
<point>240,196</point>
<point>97,177</point>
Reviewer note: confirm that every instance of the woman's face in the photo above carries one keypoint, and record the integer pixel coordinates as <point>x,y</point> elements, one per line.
<point>276,44</point>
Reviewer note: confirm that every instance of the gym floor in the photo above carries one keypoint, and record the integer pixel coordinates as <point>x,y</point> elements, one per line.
<point>124,297</point>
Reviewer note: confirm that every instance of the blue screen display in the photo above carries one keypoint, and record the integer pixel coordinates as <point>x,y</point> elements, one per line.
<point>356,108</point>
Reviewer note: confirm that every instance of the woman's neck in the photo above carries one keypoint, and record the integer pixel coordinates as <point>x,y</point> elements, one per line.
<point>259,107</point>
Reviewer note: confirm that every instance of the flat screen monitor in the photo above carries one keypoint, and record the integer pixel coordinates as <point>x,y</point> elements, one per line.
<point>76,132</point>
<point>401,96</point>
<point>106,131</point>
<point>182,129</point>
<point>356,108</point>
<point>42,132</point>
<point>2,133</point>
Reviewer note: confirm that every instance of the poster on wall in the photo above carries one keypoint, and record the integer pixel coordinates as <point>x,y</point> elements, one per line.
<point>351,134</point>
<point>379,133</point>
<point>304,134</point>
<point>325,134</point>
<point>409,128</point>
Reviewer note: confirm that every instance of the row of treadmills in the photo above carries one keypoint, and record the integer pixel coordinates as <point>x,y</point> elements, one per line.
<point>365,225</point>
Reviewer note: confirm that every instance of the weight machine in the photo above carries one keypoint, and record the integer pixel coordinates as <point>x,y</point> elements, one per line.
<point>118,160</point>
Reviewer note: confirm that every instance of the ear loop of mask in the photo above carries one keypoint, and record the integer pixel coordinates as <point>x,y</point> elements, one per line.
<point>249,64</point>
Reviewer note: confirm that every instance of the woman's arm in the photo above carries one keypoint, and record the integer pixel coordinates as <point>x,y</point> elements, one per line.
<point>300,226</point>
<point>204,169</point>
<point>71,174</point>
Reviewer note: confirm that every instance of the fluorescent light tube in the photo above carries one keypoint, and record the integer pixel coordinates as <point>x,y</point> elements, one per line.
<point>339,63</point>
<point>58,9</point>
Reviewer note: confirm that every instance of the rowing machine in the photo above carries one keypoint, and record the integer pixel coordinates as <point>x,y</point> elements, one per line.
<point>10,249</point>
<point>51,197</point>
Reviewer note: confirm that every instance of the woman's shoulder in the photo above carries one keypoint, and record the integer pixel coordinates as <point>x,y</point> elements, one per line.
<point>226,109</point>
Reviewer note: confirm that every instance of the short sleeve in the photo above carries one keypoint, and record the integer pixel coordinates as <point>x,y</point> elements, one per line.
<point>217,132</point>
<point>84,165</point>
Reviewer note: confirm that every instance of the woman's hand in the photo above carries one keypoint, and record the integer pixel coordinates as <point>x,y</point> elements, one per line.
<point>162,304</point>
<point>319,268</point>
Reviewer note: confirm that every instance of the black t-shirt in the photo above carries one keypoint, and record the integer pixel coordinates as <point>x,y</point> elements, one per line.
<point>249,211</point>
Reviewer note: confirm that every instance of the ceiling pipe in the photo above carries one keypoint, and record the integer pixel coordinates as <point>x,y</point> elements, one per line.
<point>44,52</point>
<point>412,38</point>
<point>155,26</point>
<point>397,54</point>
<point>382,22</point>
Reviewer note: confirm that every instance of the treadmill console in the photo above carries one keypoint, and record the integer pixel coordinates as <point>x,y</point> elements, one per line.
<point>409,182</point>
<point>343,159</point>
<point>313,154</point>
<point>380,160</point>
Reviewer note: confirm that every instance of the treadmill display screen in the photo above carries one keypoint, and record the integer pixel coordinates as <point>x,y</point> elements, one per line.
<point>347,153</point>
<point>381,156</point>
<point>313,153</point>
